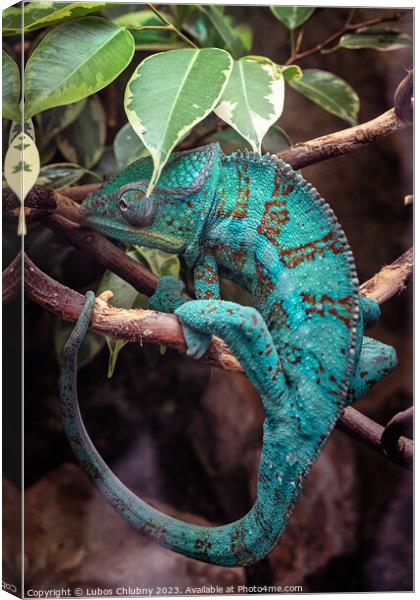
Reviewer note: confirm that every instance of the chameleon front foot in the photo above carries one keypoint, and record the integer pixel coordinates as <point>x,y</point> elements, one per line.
<point>168,298</point>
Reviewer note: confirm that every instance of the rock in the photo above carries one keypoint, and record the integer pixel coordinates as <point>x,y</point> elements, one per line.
<point>73,538</point>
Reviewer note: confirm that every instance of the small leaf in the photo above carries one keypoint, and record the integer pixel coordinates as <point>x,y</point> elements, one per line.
<point>21,165</point>
<point>163,109</point>
<point>160,263</point>
<point>75,60</point>
<point>128,147</point>
<point>293,16</point>
<point>149,39</point>
<point>289,72</point>
<point>84,140</point>
<point>11,88</point>
<point>52,121</point>
<point>276,140</point>
<point>376,38</point>
<point>329,91</point>
<point>44,14</point>
<point>124,296</point>
<point>60,175</point>
<point>253,100</point>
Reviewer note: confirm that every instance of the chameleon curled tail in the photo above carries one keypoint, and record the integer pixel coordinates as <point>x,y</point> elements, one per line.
<point>285,461</point>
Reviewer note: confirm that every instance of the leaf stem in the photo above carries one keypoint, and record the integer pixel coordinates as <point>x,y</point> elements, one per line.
<point>335,36</point>
<point>172,26</point>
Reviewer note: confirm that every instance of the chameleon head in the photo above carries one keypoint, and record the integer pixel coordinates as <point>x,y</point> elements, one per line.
<point>171,217</point>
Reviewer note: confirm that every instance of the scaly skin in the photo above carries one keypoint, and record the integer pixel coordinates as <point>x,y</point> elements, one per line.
<point>254,220</point>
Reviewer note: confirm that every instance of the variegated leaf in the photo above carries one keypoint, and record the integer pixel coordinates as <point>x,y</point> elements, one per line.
<point>10,88</point>
<point>171,92</point>
<point>253,100</point>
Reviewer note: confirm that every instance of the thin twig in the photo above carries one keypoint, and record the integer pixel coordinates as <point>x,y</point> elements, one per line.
<point>159,328</point>
<point>172,26</point>
<point>391,279</point>
<point>348,27</point>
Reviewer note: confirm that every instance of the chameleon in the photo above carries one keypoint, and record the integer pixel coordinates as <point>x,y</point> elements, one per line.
<point>256,221</point>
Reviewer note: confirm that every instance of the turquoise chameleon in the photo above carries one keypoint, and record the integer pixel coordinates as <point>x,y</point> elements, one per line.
<point>254,220</point>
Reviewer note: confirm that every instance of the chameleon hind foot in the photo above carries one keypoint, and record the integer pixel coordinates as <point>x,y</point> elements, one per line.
<point>168,298</point>
<point>376,360</point>
<point>370,311</point>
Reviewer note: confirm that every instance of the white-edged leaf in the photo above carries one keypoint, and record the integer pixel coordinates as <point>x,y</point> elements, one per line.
<point>169,93</point>
<point>59,175</point>
<point>83,141</point>
<point>10,88</point>
<point>44,14</point>
<point>128,147</point>
<point>293,16</point>
<point>21,165</point>
<point>75,60</point>
<point>377,38</point>
<point>329,91</point>
<point>253,100</point>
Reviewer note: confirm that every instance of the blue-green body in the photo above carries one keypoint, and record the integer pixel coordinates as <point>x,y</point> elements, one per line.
<point>254,220</point>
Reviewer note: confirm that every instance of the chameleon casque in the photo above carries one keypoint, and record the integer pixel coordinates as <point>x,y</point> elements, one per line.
<point>256,221</point>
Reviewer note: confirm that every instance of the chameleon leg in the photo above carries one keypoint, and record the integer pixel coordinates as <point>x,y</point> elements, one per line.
<point>376,360</point>
<point>370,311</point>
<point>284,460</point>
<point>167,298</point>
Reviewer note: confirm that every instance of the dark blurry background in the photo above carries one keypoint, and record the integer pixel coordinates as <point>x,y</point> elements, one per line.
<point>187,436</point>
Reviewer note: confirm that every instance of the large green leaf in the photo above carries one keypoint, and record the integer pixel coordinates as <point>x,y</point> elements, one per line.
<point>11,88</point>
<point>293,16</point>
<point>83,141</point>
<point>169,93</point>
<point>329,91</point>
<point>149,39</point>
<point>44,14</point>
<point>128,147</point>
<point>253,100</point>
<point>376,38</point>
<point>75,60</point>
<point>52,121</point>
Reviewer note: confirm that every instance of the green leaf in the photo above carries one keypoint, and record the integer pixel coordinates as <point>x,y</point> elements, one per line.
<point>60,175</point>
<point>128,147</point>
<point>289,72</point>
<point>293,16</point>
<point>11,88</point>
<point>92,343</point>
<point>124,296</point>
<point>149,39</point>
<point>107,167</point>
<point>329,91</point>
<point>44,14</point>
<point>160,263</point>
<point>75,60</point>
<point>83,141</point>
<point>253,100</point>
<point>230,140</point>
<point>163,108</point>
<point>276,140</point>
<point>376,38</point>
<point>52,121</point>
<point>233,42</point>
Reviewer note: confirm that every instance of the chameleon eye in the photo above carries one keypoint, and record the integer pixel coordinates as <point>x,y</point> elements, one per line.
<point>123,205</point>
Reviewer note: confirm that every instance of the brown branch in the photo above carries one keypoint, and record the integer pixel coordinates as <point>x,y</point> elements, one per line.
<point>341,142</point>
<point>159,328</point>
<point>371,434</point>
<point>11,279</point>
<point>104,252</point>
<point>391,279</point>
<point>347,28</point>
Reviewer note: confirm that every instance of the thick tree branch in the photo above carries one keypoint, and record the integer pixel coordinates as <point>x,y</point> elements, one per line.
<point>341,142</point>
<point>11,279</point>
<point>153,327</point>
<point>391,279</point>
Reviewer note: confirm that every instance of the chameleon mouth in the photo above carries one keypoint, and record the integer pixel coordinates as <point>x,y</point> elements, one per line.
<point>132,235</point>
